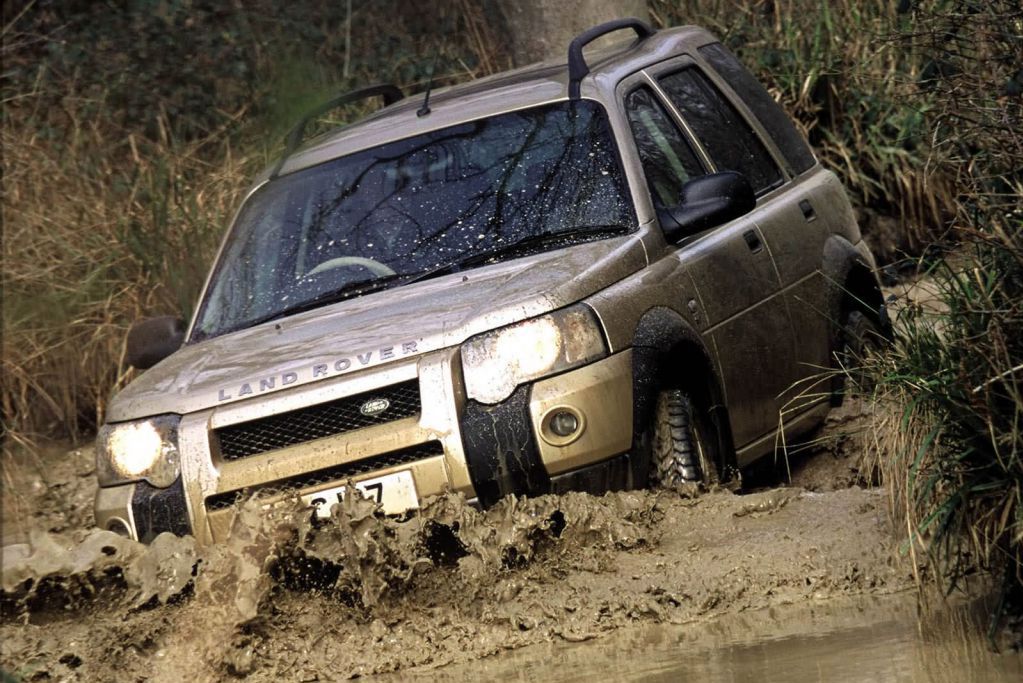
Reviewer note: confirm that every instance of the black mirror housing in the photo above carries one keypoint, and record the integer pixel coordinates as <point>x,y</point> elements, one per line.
<point>708,201</point>
<point>153,339</point>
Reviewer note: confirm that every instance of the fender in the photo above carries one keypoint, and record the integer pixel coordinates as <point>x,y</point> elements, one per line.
<point>668,352</point>
<point>851,273</point>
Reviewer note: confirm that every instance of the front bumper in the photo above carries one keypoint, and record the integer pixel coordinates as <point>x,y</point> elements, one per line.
<point>454,444</point>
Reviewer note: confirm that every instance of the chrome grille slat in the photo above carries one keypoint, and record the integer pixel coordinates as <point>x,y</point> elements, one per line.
<point>317,421</point>
<point>337,473</point>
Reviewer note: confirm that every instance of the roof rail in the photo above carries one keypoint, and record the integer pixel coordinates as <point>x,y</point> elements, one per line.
<point>577,67</point>
<point>389,93</point>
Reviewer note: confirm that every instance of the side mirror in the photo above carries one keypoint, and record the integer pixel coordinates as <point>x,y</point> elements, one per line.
<point>707,201</point>
<point>153,339</point>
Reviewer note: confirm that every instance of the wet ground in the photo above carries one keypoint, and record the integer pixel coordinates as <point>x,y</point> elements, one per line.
<point>647,585</point>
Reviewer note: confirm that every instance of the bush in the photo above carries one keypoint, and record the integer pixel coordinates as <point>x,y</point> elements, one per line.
<point>953,456</point>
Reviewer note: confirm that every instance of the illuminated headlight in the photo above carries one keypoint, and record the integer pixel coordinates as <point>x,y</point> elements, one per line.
<point>132,451</point>
<point>494,363</point>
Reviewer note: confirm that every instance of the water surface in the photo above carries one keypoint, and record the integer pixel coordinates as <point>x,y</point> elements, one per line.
<point>891,638</point>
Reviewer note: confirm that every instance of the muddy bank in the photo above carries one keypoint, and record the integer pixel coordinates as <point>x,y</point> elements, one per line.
<point>361,593</point>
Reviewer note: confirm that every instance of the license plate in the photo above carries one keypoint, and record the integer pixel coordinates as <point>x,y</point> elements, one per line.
<point>395,493</point>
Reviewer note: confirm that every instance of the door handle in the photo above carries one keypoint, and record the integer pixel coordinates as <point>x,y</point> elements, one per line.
<point>808,211</point>
<point>753,241</point>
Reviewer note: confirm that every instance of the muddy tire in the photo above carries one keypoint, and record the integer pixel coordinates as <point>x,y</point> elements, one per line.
<point>682,450</point>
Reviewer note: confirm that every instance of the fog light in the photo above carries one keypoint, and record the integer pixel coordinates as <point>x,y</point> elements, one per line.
<point>564,423</point>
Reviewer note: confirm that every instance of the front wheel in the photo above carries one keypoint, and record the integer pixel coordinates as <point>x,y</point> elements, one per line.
<point>683,450</point>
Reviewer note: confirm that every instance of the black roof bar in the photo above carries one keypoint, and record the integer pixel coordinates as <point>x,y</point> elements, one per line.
<point>577,67</point>
<point>390,94</point>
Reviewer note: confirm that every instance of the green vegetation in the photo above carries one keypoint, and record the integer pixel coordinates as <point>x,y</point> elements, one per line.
<point>129,136</point>
<point>953,455</point>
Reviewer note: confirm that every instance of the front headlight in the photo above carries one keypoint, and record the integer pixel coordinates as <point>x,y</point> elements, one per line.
<point>496,362</point>
<point>132,451</point>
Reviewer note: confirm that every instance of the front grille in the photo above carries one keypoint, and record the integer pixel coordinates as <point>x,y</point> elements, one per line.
<point>316,422</point>
<point>337,473</point>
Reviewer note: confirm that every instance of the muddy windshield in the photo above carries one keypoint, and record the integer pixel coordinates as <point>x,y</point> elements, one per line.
<point>460,197</point>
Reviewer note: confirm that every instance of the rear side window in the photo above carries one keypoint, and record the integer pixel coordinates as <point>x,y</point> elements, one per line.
<point>774,119</point>
<point>726,136</point>
<point>668,161</point>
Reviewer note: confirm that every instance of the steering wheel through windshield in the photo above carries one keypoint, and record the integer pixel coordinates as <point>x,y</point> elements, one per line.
<point>375,267</point>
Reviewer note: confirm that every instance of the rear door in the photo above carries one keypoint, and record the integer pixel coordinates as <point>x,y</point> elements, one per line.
<point>744,318</point>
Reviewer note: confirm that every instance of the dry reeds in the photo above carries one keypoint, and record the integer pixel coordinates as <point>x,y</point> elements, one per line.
<point>128,136</point>
<point>100,230</point>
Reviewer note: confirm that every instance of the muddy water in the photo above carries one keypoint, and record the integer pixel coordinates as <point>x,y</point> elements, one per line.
<point>839,641</point>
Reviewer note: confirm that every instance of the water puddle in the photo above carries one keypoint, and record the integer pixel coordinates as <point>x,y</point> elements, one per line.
<point>840,641</point>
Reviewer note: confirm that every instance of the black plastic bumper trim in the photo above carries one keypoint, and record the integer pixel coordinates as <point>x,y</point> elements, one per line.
<point>501,450</point>
<point>157,510</point>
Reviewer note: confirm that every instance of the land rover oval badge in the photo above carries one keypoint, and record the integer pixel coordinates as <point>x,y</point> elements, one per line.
<point>374,407</point>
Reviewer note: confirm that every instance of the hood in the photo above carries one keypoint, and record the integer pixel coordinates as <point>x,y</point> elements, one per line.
<point>375,329</point>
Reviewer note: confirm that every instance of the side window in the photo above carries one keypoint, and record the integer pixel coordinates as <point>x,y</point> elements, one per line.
<point>668,161</point>
<point>726,136</point>
<point>778,124</point>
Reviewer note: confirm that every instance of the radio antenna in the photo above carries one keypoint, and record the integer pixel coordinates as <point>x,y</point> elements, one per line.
<point>425,109</point>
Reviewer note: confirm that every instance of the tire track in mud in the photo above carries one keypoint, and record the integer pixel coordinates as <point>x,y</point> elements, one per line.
<point>292,598</point>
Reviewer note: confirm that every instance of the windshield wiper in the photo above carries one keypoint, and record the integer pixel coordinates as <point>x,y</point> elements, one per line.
<point>524,245</point>
<point>535,242</point>
<point>346,291</point>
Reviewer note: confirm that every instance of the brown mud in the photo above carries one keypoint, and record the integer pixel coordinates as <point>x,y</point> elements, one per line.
<point>291,598</point>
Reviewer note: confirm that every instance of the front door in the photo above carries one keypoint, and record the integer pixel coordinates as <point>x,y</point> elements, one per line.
<point>744,318</point>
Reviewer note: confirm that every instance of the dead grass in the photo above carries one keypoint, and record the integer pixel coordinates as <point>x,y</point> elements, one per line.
<point>99,231</point>
<point>113,206</point>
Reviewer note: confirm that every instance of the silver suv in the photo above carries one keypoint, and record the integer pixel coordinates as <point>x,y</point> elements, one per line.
<point>622,270</point>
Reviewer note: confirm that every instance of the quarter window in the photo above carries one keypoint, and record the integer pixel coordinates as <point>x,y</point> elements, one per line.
<point>728,139</point>
<point>668,161</point>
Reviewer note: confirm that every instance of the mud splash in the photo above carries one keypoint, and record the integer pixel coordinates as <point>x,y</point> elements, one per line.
<point>67,572</point>
<point>290,597</point>
<point>359,566</point>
